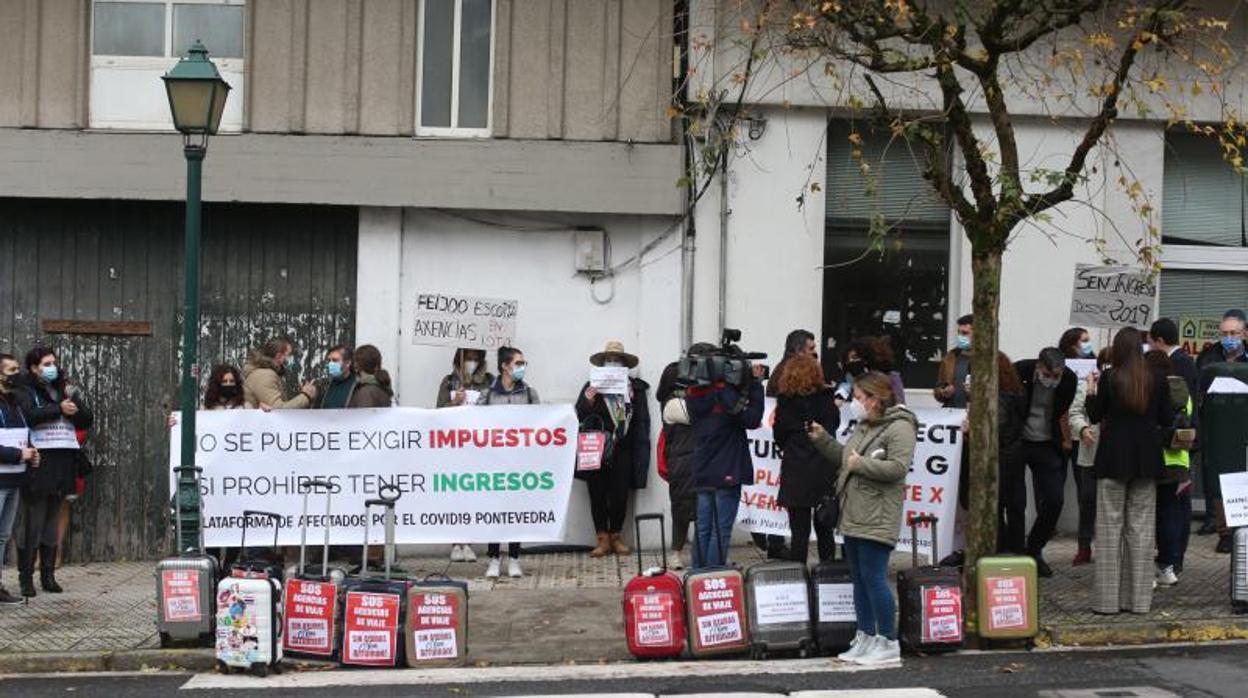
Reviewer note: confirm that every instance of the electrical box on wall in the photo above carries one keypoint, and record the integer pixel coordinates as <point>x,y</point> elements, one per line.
<point>591,252</point>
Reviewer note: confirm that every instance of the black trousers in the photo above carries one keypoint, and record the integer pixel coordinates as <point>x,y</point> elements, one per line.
<point>495,549</point>
<point>684,510</point>
<point>1011,503</point>
<point>608,497</point>
<point>1085,486</point>
<point>800,521</point>
<point>1048,481</point>
<point>38,531</point>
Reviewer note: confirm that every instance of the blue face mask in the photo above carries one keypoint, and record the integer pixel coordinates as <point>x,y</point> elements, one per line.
<point>49,373</point>
<point>517,373</point>
<point>1230,345</point>
<point>1087,349</point>
<point>964,342</point>
<point>334,369</point>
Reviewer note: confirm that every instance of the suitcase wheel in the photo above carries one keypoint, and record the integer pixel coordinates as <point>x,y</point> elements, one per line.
<point>758,652</point>
<point>165,641</point>
<point>260,669</point>
<point>222,667</point>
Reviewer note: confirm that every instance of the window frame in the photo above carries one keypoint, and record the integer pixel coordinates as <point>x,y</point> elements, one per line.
<point>454,131</point>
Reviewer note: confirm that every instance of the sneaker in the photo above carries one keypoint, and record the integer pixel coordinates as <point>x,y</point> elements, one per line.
<point>457,553</point>
<point>862,642</point>
<point>882,651</point>
<point>469,554</point>
<point>513,568</point>
<point>493,570</point>
<point>7,599</point>
<point>1167,577</point>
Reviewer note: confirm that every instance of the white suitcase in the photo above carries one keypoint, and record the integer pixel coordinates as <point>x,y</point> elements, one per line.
<point>1239,571</point>
<point>249,618</point>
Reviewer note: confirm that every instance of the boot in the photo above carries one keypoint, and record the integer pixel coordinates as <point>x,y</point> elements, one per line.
<point>47,569</point>
<point>1083,557</point>
<point>25,571</point>
<point>604,544</point>
<point>617,545</point>
<point>27,583</point>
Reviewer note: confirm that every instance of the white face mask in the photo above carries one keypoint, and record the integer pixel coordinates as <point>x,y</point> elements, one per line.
<point>857,410</point>
<point>470,367</point>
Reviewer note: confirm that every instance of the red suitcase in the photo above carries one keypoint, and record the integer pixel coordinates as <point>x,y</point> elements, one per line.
<point>654,606</point>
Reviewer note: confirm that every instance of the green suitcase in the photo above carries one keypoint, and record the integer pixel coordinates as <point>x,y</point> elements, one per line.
<point>1008,598</point>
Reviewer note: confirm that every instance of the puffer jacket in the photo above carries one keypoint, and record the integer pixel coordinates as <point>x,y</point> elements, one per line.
<point>872,496</point>
<point>262,383</point>
<point>721,417</point>
<point>372,390</point>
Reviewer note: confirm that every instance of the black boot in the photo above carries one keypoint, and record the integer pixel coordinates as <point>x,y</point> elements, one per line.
<point>25,572</point>
<point>47,569</point>
<point>27,583</point>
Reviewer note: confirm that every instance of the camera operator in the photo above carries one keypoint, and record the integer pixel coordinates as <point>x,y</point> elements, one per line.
<point>721,413</point>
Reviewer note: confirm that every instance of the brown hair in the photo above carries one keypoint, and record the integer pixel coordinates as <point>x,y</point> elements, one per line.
<point>878,386</point>
<point>875,352</point>
<point>1159,360</point>
<point>1008,381</point>
<point>368,359</point>
<point>1133,379</point>
<point>802,375</point>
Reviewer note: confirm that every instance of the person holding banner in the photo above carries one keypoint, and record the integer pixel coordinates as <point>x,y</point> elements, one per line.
<point>263,385</point>
<point>468,379</point>
<point>54,409</point>
<point>225,389</point>
<point>871,482</point>
<point>335,390</point>
<point>805,477</point>
<point>15,455</point>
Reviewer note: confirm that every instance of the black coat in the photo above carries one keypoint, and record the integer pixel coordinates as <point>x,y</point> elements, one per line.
<point>57,466</point>
<point>805,475</point>
<point>632,446</point>
<point>1062,397</point>
<point>1129,446</point>
<point>10,418</point>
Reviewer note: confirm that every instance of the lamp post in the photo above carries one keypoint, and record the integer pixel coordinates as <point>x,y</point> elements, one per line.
<point>197,98</point>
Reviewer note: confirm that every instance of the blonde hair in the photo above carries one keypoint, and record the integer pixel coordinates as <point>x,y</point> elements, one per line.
<point>878,386</point>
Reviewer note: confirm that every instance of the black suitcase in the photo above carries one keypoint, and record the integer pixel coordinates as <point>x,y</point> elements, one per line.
<point>930,600</point>
<point>374,609</point>
<point>832,605</point>
<point>259,563</point>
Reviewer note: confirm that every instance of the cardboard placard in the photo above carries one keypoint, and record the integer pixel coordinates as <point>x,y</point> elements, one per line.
<point>590,448</point>
<point>371,628</point>
<point>435,625</point>
<point>180,590</point>
<point>450,320</point>
<point>654,619</point>
<point>942,614</point>
<point>1112,297</point>
<point>781,603</point>
<point>717,603</point>
<point>311,609</point>
<point>836,603</point>
<point>1007,602</point>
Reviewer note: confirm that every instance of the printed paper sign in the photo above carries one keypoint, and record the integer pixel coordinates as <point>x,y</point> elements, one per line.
<point>57,434</point>
<point>1007,602</point>
<point>1235,498</point>
<point>942,614</point>
<point>781,603</point>
<point>310,609</point>
<point>836,603</point>
<point>435,645</point>
<point>180,589</point>
<point>13,438</point>
<point>435,622</point>
<point>717,603</point>
<point>371,628</point>
<point>1082,367</point>
<point>654,617</point>
<point>590,447</point>
<point>1112,297</point>
<point>719,629</point>
<point>448,320</point>
<point>609,380</point>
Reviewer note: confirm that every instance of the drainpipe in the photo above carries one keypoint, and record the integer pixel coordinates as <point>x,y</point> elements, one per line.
<point>689,243</point>
<point>723,242</point>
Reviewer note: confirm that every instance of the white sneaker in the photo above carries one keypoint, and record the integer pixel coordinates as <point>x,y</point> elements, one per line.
<point>470,555</point>
<point>1166,577</point>
<point>493,570</point>
<point>457,553</point>
<point>861,642</point>
<point>513,568</point>
<point>882,651</point>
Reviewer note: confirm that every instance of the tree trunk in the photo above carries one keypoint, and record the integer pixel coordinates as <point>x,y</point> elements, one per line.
<point>981,529</point>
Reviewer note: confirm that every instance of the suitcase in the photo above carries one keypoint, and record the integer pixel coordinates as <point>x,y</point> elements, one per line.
<point>929,600</point>
<point>436,631</point>
<point>184,587</point>
<point>832,591</point>
<point>1008,598</point>
<point>249,624</point>
<point>259,563</point>
<point>1239,571</point>
<point>374,609</point>
<point>310,607</point>
<point>777,595</point>
<point>654,605</point>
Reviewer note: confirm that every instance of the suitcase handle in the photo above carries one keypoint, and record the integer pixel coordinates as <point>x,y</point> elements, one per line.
<point>914,537</point>
<point>662,537</point>
<point>388,503</point>
<point>177,508</point>
<point>275,518</point>
<point>308,487</point>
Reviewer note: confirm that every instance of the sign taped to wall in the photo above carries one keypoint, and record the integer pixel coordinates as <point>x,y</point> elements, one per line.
<point>450,320</point>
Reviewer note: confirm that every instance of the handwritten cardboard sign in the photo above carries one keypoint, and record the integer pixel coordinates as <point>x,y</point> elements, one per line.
<point>449,320</point>
<point>1112,297</point>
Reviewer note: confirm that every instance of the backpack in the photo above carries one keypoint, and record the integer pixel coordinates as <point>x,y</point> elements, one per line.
<point>1180,400</point>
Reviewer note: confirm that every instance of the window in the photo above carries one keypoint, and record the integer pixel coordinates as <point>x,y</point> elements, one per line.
<point>901,292</point>
<point>456,60</point>
<point>134,42</point>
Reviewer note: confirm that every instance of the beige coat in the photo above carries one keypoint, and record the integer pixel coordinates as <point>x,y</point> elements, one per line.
<point>262,383</point>
<point>872,493</point>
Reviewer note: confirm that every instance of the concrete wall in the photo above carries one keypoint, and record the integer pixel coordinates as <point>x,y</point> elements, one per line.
<point>44,50</point>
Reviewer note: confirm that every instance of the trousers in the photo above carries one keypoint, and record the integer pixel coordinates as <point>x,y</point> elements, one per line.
<point>38,529</point>
<point>608,497</point>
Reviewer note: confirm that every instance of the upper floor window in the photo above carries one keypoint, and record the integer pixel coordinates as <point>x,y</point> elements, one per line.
<point>456,58</point>
<point>134,42</point>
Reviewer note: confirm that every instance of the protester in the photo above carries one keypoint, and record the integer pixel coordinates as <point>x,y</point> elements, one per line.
<point>871,481</point>
<point>1049,389</point>
<point>1011,475</point>
<point>263,383</point>
<point>47,401</point>
<point>1086,434</point>
<point>373,387</point>
<point>1174,502</point>
<point>468,379</point>
<point>335,390</point>
<point>625,467</point>
<point>867,354</point>
<point>1164,337</point>
<point>955,369</point>
<point>508,389</point>
<point>675,455</point>
<point>225,389</point>
<point>721,415</point>
<point>1229,349</point>
<point>14,462</point>
<point>1076,343</point>
<point>1132,405</point>
<point>805,477</point>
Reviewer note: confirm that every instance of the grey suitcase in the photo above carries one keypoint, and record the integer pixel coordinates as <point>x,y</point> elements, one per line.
<point>1239,571</point>
<point>777,595</point>
<point>185,584</point>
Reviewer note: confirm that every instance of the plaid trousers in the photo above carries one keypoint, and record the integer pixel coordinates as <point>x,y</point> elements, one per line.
<point>1125,534</point>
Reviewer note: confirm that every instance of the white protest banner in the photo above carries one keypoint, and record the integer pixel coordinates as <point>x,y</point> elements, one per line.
<point>609,380</point>
<point>471,474</point>
<point>56,434</point>
<point>1112,297</point>
<point>931,486</point>
<point>1235,498</point>
<point>448,320</point>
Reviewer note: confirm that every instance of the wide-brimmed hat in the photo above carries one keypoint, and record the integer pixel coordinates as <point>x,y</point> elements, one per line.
<point>614,351</point>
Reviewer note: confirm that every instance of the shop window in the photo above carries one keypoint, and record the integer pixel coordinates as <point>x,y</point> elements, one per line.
<point>455,69</point>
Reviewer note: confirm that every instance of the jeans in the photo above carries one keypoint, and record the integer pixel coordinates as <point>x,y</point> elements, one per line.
<point>717,512</point>
<point>1174,516</point>
<point>10,498</point>
<point>494,549</point>
<point>1048,480</point>
<point>799,528</point>
<point>874,604</point>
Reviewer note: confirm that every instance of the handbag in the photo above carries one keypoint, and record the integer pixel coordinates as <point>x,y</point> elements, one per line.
<point>593,445</point>
<point>828,511</point>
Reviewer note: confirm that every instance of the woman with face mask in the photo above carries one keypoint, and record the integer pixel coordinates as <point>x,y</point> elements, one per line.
<point>225,389</point>
<point>867,354</point>
<point>468,380</point>
<point>625,467</point>
<point>53,409</point>
<point>508,389</point>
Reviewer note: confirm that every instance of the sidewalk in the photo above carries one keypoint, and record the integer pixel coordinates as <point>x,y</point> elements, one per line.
<point>566,609</point>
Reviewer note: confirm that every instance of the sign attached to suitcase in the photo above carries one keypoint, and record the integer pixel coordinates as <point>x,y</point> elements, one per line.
<point>311,608</point>
<point>942,614</point>
<point>782,603</point>
<point>655,618</point>
<point>716,604</point>
<point>836,603</point>
<point>371,628</point>
<point>434,621</point>
<point>181,595</point>
<point>1007,602</point>
<point>1235,498</point>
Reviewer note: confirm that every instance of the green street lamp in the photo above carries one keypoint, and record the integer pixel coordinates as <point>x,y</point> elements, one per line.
<point>197,97</point>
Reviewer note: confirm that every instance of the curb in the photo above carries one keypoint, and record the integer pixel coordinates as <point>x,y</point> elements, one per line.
<point>1147,632</point>
<point>122,660</point>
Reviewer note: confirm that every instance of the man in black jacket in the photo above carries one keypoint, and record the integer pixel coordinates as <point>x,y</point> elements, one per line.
<point>1049,388</point>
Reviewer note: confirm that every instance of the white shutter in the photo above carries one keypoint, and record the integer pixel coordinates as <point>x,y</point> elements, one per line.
<point>902,194</point>
<point>1203,198</point>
